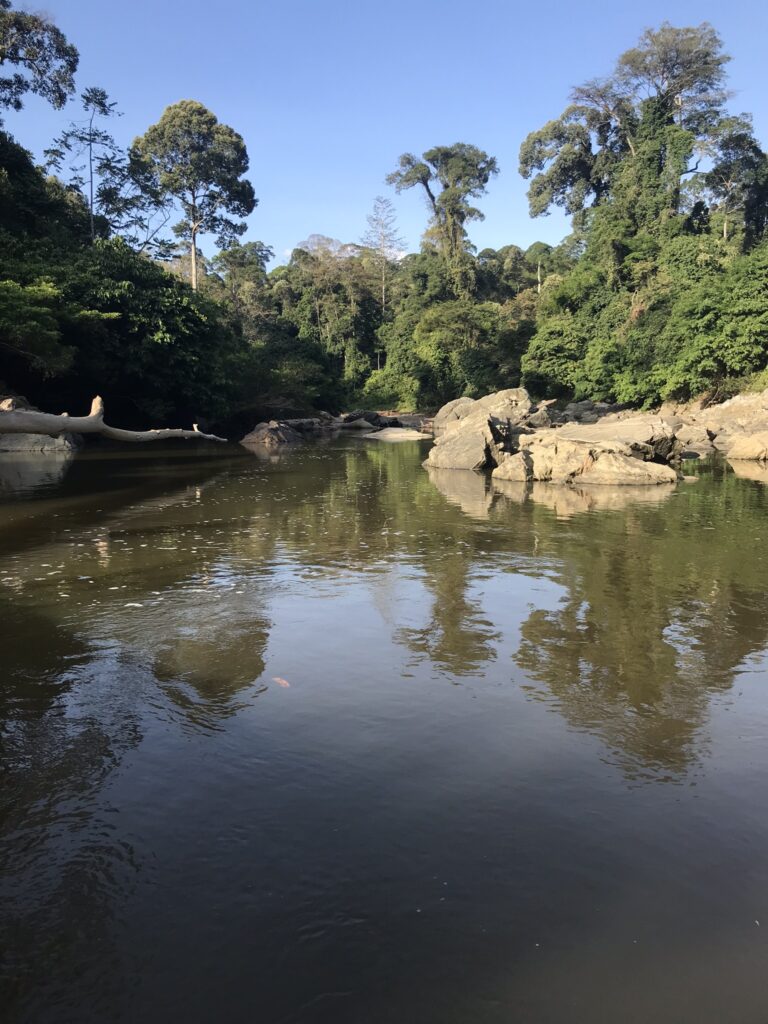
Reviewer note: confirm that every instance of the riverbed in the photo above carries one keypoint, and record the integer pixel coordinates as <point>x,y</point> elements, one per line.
<point>323,737</point>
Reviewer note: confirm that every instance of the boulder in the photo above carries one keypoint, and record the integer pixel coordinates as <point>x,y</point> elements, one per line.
<point>648,435</point>
<point>554,459</point>
<point>694,440</point>
<point>309,425</point>
<point>510,406</point>
<point>539,419</point>
<point>757,471</point>
<point>447,414</point>
<point>64,444</point>
<point>749,447</point>
<point>273,434</point>
<point>358,424</point>
<point>471,448</point>
<point>474,435</point>
<point>374,419</point>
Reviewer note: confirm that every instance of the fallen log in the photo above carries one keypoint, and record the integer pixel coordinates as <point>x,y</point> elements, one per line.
<point>30,421</point>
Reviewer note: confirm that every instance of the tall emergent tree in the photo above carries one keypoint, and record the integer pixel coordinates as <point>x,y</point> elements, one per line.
<point>650,310</point>
<point>87,139</point>
<point>200,163</point>
<point>45,62</point>
<point>450,177</point>
<point>383,240</point>
<point>673,79</point>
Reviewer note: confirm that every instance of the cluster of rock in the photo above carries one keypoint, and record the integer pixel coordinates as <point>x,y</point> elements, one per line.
<point>276,433</point>
<point>737,428</point>
<point>590,443</point>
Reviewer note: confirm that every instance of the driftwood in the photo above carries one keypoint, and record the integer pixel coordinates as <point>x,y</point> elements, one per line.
<point>29,421</point>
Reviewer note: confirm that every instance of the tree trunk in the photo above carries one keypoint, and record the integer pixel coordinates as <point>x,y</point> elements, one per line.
<point>90,176</point>
<point>28,421</point>
<point>193,257</point>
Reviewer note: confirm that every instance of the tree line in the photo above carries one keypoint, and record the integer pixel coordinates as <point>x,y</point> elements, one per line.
<point>659,291</point>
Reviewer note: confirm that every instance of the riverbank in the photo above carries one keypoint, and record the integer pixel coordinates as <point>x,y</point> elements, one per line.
<point>592,443</point>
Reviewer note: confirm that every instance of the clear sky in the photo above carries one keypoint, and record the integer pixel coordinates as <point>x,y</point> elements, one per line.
<point>328,93</point>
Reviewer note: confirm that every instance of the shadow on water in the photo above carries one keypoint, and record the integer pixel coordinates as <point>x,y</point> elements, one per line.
<point>229,749</point>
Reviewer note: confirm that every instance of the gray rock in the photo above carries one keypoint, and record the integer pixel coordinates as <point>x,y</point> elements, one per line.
<point>64,444</point>
<point>694,441</point>
<point>273,434</point>
<point>554,459</point>
<point>470,448</point>
<point>447,414</point>
<point>648,435</point>
<point>757,471</point>
<point>749,447</point>
<point>540,418</point>
<point>375,419</point>
<point>359,424</point>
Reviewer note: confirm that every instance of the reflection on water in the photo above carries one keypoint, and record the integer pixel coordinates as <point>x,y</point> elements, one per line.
<point>576,820</point>
<point>750,470</point>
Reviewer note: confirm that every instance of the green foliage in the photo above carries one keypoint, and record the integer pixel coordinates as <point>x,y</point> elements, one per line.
<point>659,292</point>
<point>79,318</point>
<point>666,299</point>
<point>30,324</point>
<point>200,163</point>
<point>450,177</point>
<point>43,61</point>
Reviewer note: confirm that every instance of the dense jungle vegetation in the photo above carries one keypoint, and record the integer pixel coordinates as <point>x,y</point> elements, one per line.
<point>660,291</point>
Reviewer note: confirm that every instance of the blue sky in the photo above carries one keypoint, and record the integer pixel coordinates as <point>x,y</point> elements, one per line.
<point>328,93</point>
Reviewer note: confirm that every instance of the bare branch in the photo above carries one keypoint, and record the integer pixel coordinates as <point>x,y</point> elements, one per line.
<point>28,421</point>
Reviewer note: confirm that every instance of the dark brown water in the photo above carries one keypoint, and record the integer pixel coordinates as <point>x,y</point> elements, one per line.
<point>520,773</point>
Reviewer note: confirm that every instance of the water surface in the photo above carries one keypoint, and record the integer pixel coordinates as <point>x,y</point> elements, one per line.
<point>327,738</point>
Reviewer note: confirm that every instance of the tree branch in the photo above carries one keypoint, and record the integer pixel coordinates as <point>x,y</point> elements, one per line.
<point>28,421</point>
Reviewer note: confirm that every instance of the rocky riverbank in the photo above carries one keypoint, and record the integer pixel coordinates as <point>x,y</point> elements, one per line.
<point>379,426</point>
<point>588,443</point>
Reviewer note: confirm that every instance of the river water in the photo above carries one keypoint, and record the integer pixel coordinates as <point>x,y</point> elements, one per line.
<point>327,738</point>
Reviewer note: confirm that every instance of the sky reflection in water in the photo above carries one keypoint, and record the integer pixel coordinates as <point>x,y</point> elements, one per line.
<point>518,774</point>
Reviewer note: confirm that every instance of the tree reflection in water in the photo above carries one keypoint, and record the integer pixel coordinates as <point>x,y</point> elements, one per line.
<point>139,601</point>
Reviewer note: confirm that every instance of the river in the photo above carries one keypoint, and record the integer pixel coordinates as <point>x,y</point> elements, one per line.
<point>327,738</point>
